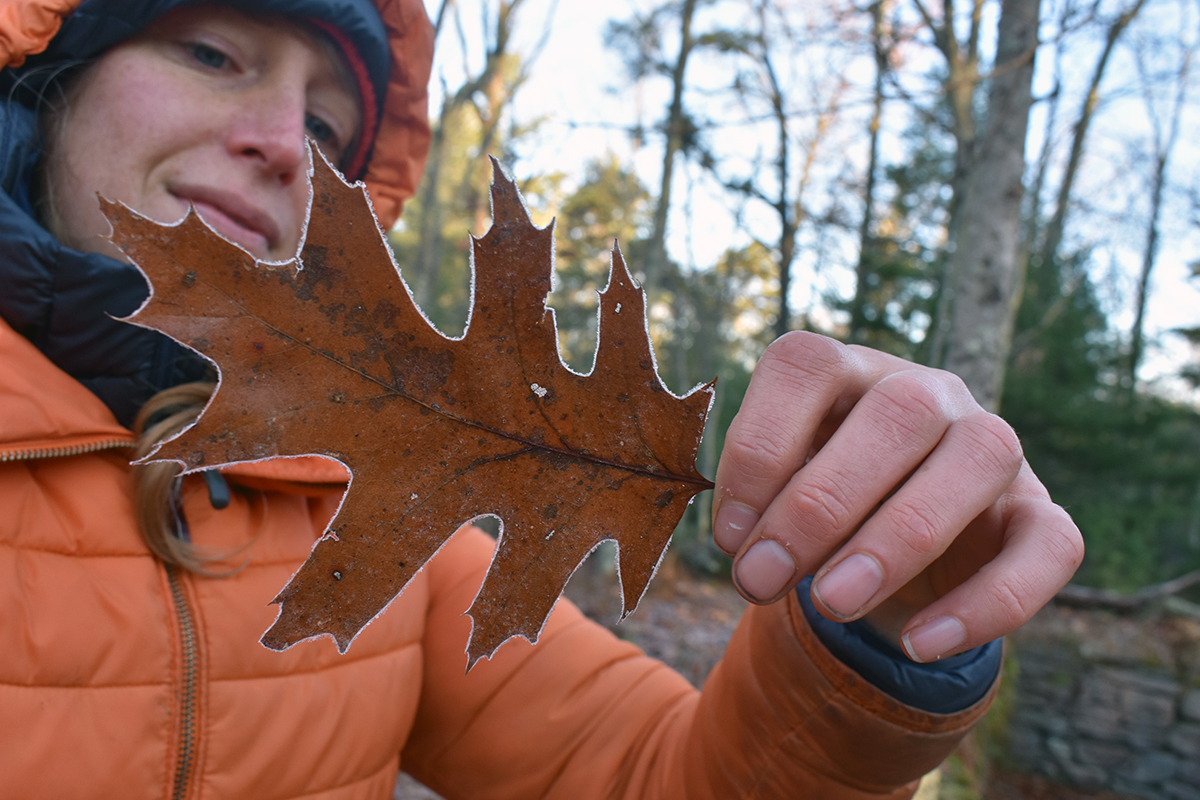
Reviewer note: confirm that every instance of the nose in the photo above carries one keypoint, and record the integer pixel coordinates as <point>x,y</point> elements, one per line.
<point>268,130</point>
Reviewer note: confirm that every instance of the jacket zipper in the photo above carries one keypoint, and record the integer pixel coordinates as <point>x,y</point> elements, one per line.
<point>189,688</point>
<point>31,453</point>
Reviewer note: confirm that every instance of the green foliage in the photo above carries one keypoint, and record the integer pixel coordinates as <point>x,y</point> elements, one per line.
<point>904,255</point>
<point>1127,469</point>
<point>442,288</point>
<point>611,206</point>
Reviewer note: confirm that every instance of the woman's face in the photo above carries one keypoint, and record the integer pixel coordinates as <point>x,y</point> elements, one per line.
<point>210,107</point>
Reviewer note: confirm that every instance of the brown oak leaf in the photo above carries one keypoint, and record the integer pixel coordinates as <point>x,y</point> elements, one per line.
<point>328,354</point>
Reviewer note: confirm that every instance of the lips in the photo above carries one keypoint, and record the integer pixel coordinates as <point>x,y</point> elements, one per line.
<point>234,218</point>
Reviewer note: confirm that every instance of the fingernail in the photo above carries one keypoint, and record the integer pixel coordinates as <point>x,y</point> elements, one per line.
<point>733,524</point>
<point>849,586</point>
<point>764,570</point>
<point>934,639</point>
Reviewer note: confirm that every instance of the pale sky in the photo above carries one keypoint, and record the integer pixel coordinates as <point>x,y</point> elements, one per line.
<point>579,87</point>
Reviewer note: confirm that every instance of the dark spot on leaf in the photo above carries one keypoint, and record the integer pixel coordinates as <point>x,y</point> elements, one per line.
<point>386,313</point>
<point>664,499</point>
<point>622,398</point>
<point>550,511</point>
<point>189,279</point>
<point>337,397</point>
<point>420,371</point>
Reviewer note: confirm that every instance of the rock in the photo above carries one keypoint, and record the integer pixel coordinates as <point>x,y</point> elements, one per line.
<point>1102,754</point>
<point>1184,739</point>
<point>1153,768</point>
<point>1024,745</point>
<point>1109,703</point>
<point>1060,748</point>
<point>1089,778</point>
<point>1182,791</point>
<point>1189,707</point>
<point>1189,773</point>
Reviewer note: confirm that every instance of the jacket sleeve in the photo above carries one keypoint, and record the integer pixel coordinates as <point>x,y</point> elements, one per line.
<point>583,714</point>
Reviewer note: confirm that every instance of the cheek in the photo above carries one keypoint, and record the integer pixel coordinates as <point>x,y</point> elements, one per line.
<point>125,120</point>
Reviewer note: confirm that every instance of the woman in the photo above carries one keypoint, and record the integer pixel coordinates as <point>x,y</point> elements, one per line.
<point>130,665</point>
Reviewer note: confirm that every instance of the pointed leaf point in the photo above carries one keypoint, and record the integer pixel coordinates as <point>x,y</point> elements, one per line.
<point>321,354</point>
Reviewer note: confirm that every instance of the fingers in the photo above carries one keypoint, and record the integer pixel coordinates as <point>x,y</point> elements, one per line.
<point>794,387</point>
<point>974,463</point>
<point>888,481</point>
<point>1042,550</point>
<point>899,415</point>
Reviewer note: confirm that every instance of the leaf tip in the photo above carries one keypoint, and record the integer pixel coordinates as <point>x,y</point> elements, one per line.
<point>618,263</point>
<point>507,203</point>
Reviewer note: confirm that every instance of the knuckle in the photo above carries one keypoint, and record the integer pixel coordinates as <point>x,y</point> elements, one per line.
<point>917,526</point>
<point>909,402</point>
<point>805,355</point>
<point>994,440</point>
<point>1066,543</point>
<point>1007,597</point>
<point>754,448</point>
<point>953,386</point>
<point>818,506</point>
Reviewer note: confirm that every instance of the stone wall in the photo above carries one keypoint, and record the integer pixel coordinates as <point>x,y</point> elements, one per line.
<point>1103,702</point>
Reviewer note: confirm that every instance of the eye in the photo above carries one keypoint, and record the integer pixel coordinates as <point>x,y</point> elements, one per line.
<point>319,129</point>
<point>208,56</point>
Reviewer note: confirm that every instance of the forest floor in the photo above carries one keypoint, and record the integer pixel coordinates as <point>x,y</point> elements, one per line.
<point>686,621</point>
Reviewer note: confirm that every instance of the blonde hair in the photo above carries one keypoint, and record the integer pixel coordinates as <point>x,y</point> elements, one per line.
<point>157,484</point>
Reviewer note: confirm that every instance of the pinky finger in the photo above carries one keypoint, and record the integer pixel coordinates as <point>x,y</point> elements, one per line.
<point>1041,552</point>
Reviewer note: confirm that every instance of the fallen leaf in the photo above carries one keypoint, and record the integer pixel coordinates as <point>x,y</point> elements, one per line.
<point>328,354</point>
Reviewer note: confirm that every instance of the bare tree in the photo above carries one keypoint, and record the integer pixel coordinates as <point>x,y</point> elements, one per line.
<point>983,268</point>
<point>880,49</point>
<point>1163,139</point>
<point>781,177</point>
<point>486,93</point>
<point>1048,252</point>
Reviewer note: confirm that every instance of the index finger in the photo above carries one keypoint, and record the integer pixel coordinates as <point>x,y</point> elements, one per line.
<point>802,381</point>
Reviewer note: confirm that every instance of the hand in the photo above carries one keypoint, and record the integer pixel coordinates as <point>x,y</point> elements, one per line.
<point>912,505</point>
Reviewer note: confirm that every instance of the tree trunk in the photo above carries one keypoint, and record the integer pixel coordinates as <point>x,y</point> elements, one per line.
<point>1150,254</point>
<point>962,66</point>
<point>866,246</point>
<point>430,239</point>
<point>1054,230</point>
<point>657,264</point>
<point>984,267</point>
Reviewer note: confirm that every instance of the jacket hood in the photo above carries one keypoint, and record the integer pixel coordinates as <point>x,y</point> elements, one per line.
<point>65,301</point>
<point>29,31</point>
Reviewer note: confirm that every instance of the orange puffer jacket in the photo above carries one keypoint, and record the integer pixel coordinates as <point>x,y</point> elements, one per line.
<point>119,678</point>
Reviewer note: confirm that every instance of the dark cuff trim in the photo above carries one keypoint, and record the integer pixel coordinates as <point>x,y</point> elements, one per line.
<point>939,687</point>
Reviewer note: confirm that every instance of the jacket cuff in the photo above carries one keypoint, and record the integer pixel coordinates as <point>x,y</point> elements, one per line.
<point>945,686</point>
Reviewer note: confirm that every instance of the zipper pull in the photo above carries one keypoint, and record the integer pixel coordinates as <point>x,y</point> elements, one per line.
<point>218,489</point>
